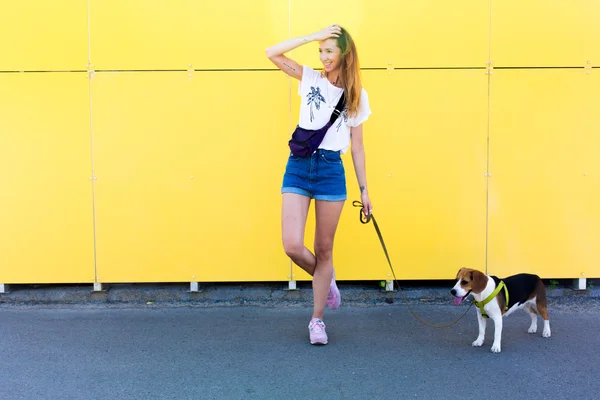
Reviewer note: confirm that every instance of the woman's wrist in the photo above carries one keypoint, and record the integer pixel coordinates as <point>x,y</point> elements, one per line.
<point>289,45</point>
<point>307,38</point>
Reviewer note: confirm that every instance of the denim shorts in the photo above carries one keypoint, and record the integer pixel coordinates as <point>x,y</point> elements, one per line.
<point>320,176</point>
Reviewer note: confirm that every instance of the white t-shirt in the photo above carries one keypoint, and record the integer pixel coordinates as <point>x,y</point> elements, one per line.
<point>319,98</point>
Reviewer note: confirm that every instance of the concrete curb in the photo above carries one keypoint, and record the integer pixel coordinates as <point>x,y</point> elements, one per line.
<point>256,294</point>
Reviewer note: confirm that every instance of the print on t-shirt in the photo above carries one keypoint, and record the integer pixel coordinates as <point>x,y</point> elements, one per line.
<point>344,118</point>
<point>317,99</point>
<point>314,97</point>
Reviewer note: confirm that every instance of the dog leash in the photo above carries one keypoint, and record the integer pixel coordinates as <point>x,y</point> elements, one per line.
<point>365,219</point>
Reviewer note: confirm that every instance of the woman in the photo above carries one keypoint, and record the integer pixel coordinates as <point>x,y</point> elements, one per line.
<point>321,176</point>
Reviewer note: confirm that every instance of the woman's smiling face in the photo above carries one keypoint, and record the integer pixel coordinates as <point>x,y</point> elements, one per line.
<point>330,54</point>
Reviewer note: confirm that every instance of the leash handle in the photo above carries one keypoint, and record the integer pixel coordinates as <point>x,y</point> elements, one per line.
<point>365,219</point>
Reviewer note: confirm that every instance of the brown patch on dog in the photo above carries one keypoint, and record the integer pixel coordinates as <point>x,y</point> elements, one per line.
<point>501,299</point>
<point>478,281</point>
<point>540,301</point>
<point>475,281</point>
<point>460,273</point>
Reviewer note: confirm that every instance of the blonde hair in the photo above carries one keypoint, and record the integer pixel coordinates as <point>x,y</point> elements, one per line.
<point>349,76</point>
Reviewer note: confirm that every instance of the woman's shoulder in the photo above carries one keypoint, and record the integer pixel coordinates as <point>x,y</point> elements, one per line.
<point>364,96</point>
<point>363,112</point>
<point>311,81</point>
<point>310,74</point>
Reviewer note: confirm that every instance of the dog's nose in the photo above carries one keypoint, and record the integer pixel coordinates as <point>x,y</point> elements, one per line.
<point>453,291</point>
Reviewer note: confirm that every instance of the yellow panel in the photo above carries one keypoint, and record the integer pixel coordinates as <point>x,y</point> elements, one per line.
<point>545,33</point>
<point>46,234</point>
<point>139,34</point>
<point>545,184</point>
<point>424,33</point>
<point>189,175</point>
<point>426,163</point>
<point>40,35</point>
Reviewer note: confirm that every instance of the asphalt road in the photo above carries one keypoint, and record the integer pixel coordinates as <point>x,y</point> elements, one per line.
<point>242,352</point>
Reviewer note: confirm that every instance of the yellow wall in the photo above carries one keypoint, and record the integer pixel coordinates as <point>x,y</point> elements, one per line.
<point>146,141</point>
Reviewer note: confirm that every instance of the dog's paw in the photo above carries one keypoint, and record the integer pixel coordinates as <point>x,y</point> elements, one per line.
<point>477,343</point>
<point>532,329</point>
<point>546,333</point>
<point>495,348</point>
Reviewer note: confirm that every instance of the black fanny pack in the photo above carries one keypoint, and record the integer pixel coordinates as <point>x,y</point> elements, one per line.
<point>304,142</point>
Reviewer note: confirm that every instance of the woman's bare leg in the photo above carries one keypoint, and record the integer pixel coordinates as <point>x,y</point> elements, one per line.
<point>328,215</point>
<point>293,220</point>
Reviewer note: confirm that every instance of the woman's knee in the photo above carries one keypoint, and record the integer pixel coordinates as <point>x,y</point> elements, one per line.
<point>293,248</point>
<point>323,251</point>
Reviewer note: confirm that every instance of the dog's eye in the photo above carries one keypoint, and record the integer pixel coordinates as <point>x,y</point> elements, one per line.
<point>463,282</point>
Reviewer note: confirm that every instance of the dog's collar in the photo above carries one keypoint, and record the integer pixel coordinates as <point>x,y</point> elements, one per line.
<point>480,304</point>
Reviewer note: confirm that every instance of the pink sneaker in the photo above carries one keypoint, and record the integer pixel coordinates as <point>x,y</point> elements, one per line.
<point>316,328</point>
<point>333,297</point>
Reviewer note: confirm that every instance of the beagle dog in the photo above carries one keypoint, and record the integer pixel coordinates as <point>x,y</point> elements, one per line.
<point>499,298</point>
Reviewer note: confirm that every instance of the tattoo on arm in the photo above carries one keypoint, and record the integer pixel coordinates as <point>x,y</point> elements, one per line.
<point>292,68</point>
<point>362,189</point>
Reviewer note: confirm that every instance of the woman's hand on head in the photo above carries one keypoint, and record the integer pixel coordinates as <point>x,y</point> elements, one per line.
<point>330,31</point>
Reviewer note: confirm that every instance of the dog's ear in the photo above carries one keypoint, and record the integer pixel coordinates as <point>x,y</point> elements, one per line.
<point>478,281</point>
<point>460,273</point>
